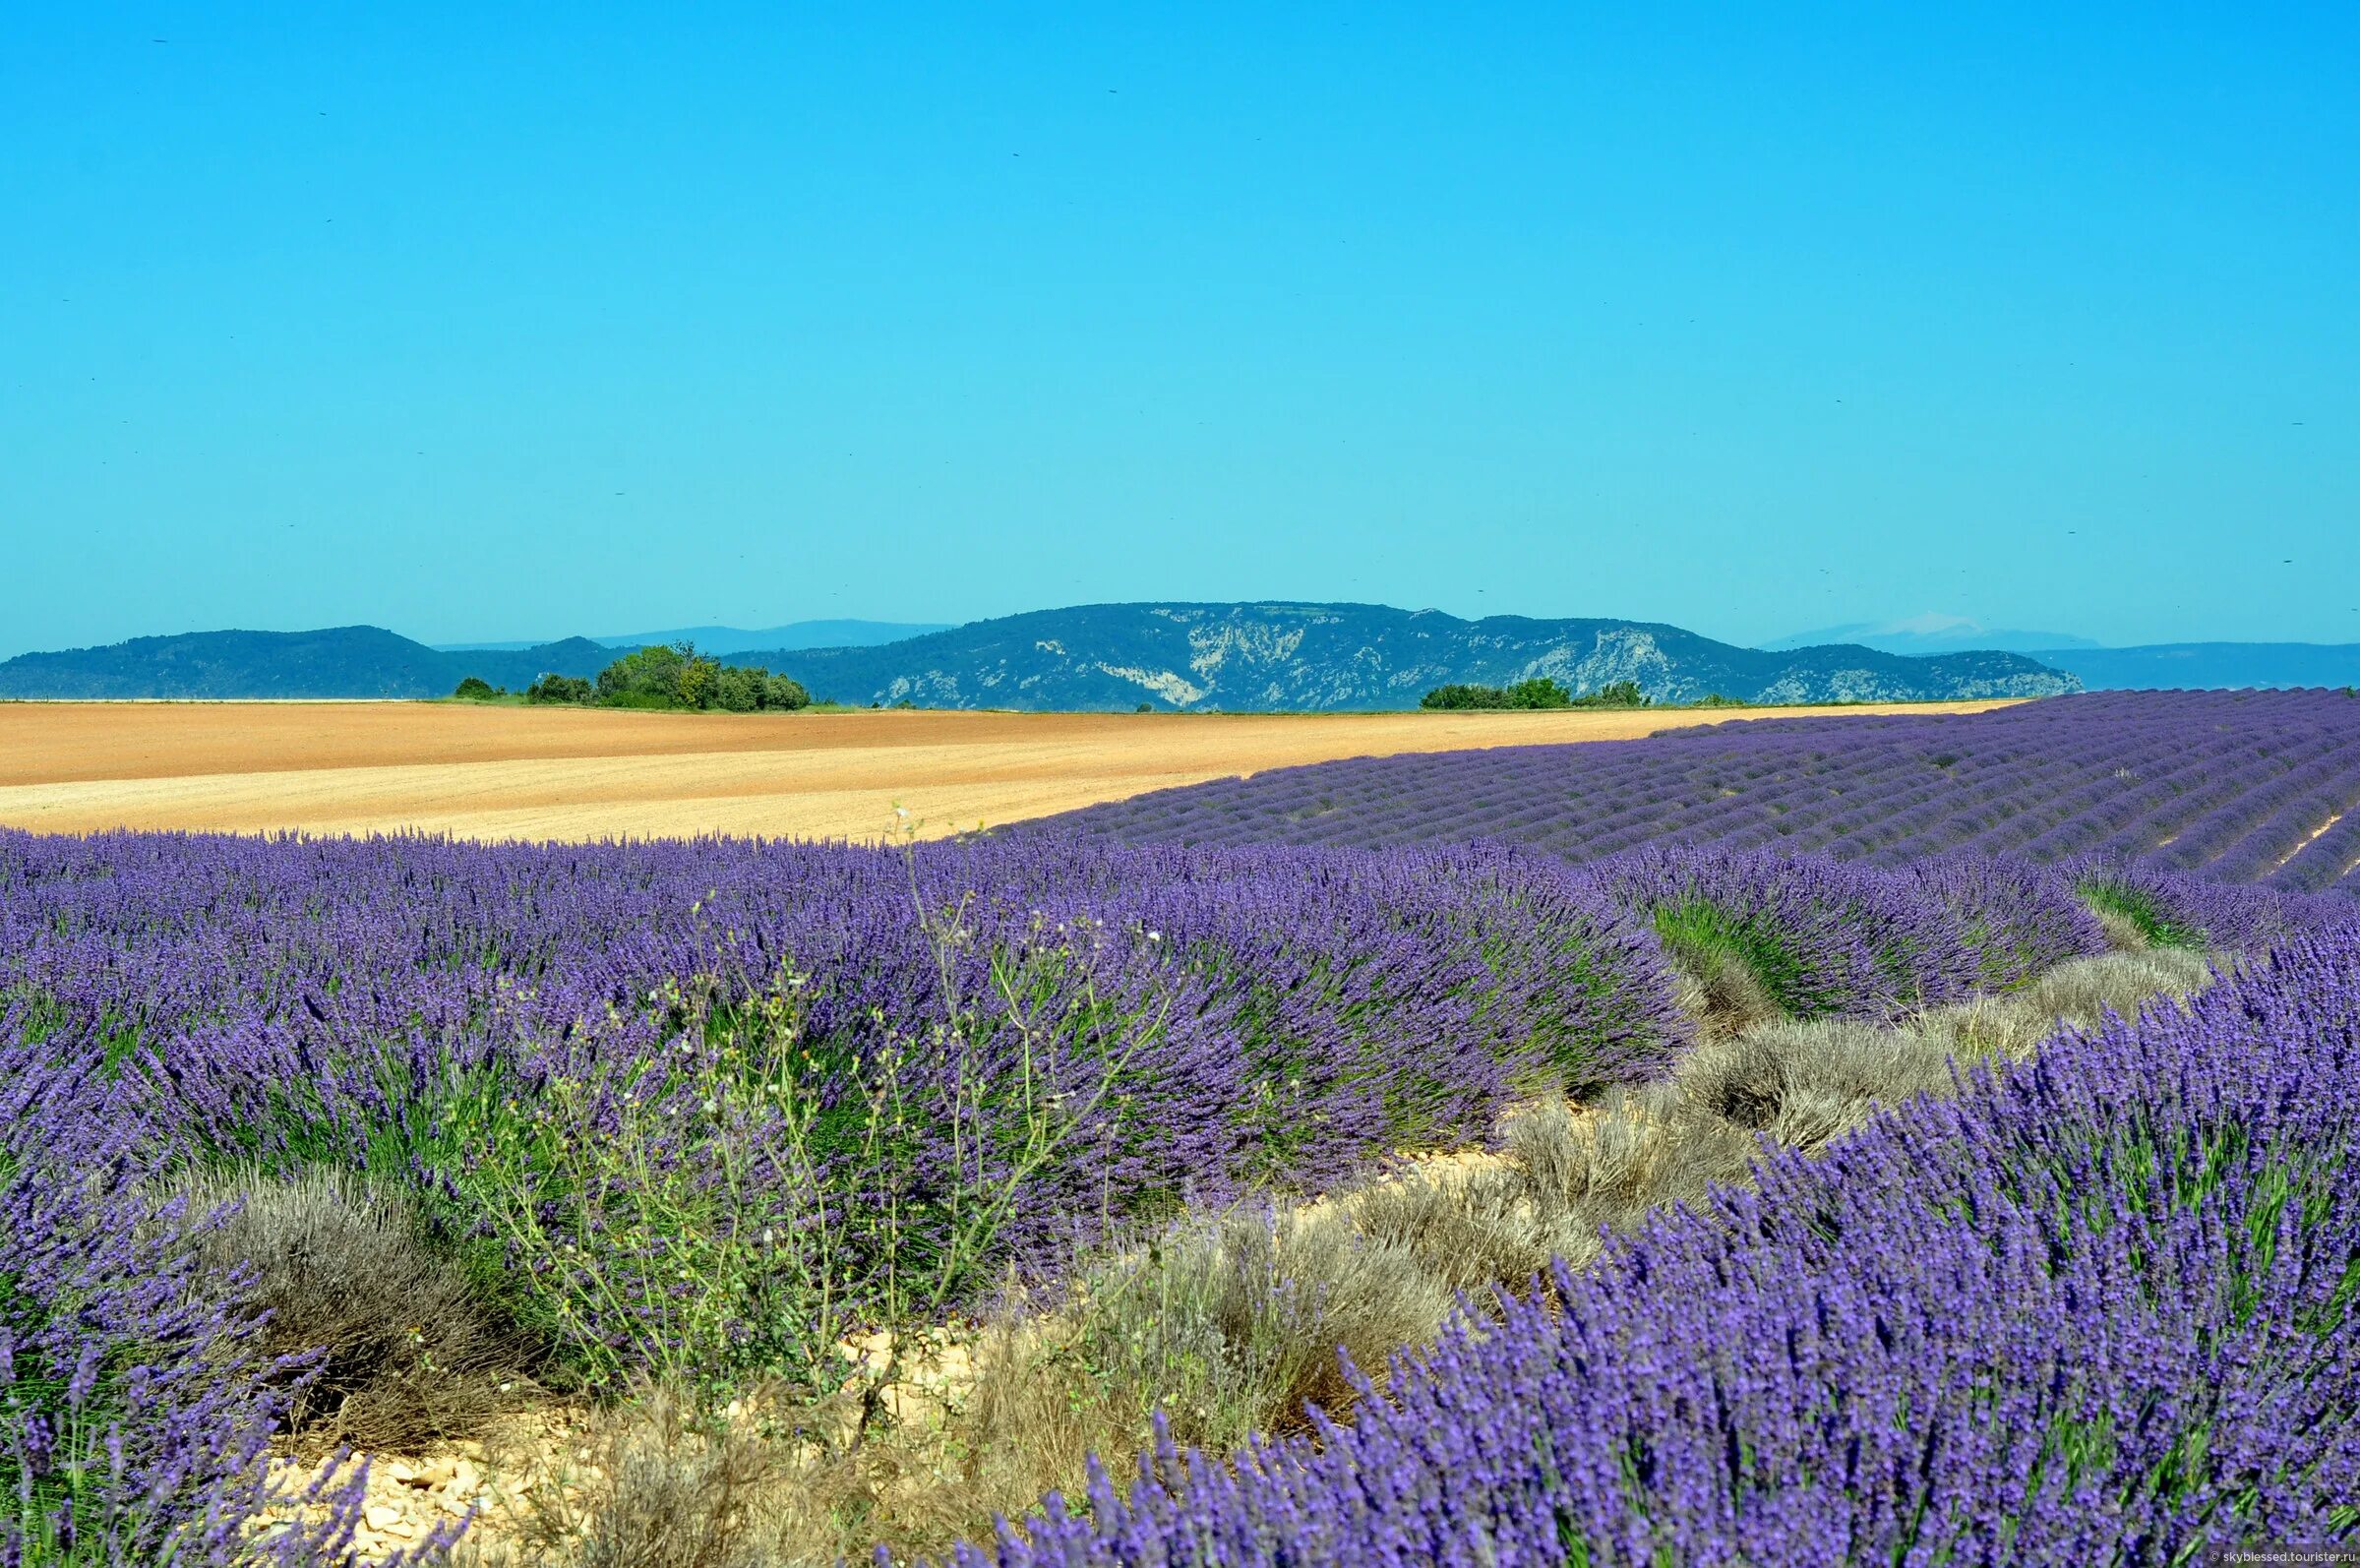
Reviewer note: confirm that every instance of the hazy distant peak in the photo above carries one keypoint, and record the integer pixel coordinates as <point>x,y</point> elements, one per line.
<point>1929,632</point>
<point>723,640</point>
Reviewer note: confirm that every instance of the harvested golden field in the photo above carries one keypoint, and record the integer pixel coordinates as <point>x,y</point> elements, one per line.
<point>552,774</point>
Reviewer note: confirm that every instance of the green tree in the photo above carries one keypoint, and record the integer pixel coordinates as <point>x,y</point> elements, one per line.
<point>475,688</point>
<point>1534,692</point>
<point>679,677</point>
<point>1460,695</point>
<point>559,688</point>
<point>1538,692</point>
<point>1613,694</point>
<point>698,683</point>
<point>737,690</point>
<point>660,677</point>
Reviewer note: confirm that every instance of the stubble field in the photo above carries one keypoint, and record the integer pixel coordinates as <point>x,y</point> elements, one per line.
<point>557,774</point>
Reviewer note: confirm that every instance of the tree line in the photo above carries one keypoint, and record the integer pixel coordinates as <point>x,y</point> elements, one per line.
<point>1540,691</point>
<point>663,677</point>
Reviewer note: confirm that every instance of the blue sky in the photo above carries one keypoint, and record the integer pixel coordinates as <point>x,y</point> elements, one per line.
<point>482,323</point>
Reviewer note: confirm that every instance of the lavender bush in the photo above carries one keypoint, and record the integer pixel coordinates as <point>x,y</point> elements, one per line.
<point>1822,937</point>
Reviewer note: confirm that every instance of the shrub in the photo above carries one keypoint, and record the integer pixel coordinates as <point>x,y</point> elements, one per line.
<point>733,1208</point>
<point>1613,694</point>
<point>559,688</point>
<point>2076,995</point>
<point>737,690</point>
<point>659,675</point>
<point>1804,1083</point>
<point>135,1411</point>
<point>1229,1323</point>
<point>1540,691</point>
<point>1463,696</point>
<point>1822,937</point>
<point>2138,917</point>
<point>401,1351</point>
<point>1537,691</point>
<point>668,1491</point>
<point>2020,921</point>
<point>679,677</point>
<point>475,688</point>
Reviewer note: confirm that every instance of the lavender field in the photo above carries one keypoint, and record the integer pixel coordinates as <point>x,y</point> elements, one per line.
<point>693,1115</point>
<point>2232,786</point>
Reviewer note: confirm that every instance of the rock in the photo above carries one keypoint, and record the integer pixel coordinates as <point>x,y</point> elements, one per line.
<point>432,1473</point>
<point>383,1517</point>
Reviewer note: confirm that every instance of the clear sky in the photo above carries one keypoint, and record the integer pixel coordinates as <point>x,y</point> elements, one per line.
<point>509,324</point>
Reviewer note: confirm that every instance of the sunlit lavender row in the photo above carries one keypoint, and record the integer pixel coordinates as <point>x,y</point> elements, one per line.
<point>2234,786</point>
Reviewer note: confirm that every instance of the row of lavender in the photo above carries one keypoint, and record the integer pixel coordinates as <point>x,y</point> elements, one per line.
<point>2243,786</point>
<point>464,1021</point>
<point>2100,1310</point>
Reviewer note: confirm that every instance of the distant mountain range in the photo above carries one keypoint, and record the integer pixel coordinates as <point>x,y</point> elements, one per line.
<point>1308,657</point>
<point>1202,656</point>
<point>723,640</point>
<point>1295,657</point>
<point>353,661</point>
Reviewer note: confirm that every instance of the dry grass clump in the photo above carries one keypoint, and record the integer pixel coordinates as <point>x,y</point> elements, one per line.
<point>1714,985</point>
<point>1564,1182</point>
<point>409,1356</point>
<point>1802,1084</point>
<point>652,1487</point>
<point>2122,932</point>
<point>2079,993</point>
